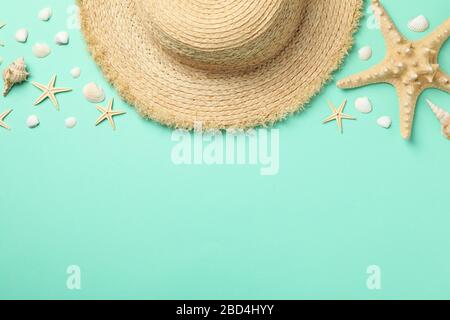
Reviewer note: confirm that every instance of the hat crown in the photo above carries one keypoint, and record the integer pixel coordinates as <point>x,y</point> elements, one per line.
<point>223,34</point>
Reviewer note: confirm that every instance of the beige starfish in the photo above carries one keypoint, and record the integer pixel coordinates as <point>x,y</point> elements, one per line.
<point>410,66</point>
<point>2,117</point>
<point>49,91</point>
<point>108,113</point>
<point>338,115</point>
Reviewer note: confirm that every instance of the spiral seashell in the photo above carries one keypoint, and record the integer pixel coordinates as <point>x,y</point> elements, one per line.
<point>16,73</point>
<point>443,117</point>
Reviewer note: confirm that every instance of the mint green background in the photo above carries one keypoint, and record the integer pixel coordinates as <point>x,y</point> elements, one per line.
<point>140,227</point>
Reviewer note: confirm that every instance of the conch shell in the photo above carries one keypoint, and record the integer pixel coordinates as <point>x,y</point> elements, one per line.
<point>443,117</point>
<point>16,73</point>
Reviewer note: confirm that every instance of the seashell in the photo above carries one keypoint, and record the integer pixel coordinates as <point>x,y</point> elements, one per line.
<point>443,117</point>
<point>365,53</point>
<point>93,93</point>
<point>384,122</point>
<point>45,14</point>
<point>419,24</point>
<point>363,105</point>
<point>16,73</point>
<point>75,72</point>
<point>22,35</point>
<point>62,38</point>
<point>71,122</point>
<point>32,122</point>
<point>41,50</point>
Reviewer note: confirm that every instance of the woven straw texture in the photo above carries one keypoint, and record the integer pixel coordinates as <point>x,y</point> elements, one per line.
<point>222,63</point>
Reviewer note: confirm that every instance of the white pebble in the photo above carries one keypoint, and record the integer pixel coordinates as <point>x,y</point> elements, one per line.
<point>93,93</point>
<point>419,24</point>
<point>41,50</point>
<point>45,14</point>
<point>62,38</point>
<point>363,105</point>
<point>385,122</point>
<point>365,53</point>
<point>71,122</point>
<point>32,121</point>
<point>22,35</point>
<point>75,72</point>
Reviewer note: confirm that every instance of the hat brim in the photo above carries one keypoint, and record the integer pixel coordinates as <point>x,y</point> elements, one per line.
<point>180,96</point>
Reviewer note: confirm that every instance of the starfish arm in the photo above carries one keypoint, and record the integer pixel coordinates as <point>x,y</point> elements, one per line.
<point>54,100</point>
<point>329,119</point>
<point>390,32</point>
<point>442,81</point>
<point>377,74</point>
<point>348,117</point>
<point>41,98</point>
<point>101,119</point>
<point>340,126</point>
<point>111,121</point>
<point>407,98</point>
<point>437,38</point>
<point>117,113</point>
<point>51,84</point>
<point>61,90</point>
<point>40,86</point>
<point>101,109</point>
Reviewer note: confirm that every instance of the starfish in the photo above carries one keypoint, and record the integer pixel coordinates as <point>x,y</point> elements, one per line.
<point>410,66</point>
<point>338,115</point>
<point>108,113</point>
<point>49,91</point>
<point>2,117</point>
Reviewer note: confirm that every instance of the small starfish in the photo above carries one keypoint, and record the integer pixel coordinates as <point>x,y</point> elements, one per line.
<point>410,66</point>
<point>2,117</point>
<point>49,92</point>
<point>338,115</point>
<point>108,113</point>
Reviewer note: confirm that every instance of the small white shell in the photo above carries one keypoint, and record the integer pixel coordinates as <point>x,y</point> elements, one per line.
<point>93,93</point>
<point>41,50</point>
<point>75,72</point>
<point>22,35</point>
<point>365,53</point>
<point>71,122</point>
<point>419,24</point>
<point>363,105</point>
<point>385,122</point>
<point>62,38</point>
<point>32,121</point>
<point>45,14</point>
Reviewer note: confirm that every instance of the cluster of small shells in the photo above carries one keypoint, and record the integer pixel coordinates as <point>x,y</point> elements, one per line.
<point>17,73</point>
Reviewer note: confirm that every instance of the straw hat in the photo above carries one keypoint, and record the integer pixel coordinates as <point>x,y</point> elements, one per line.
<point>223,63</point>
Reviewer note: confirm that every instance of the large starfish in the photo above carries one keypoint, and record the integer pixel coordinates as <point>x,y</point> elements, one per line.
<point>410,66</point>
<point>108,114</point>
<point>49,91</point>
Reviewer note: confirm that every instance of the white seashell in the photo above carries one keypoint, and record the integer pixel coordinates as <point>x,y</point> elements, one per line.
<point>385,122</point>
<point>419,24</point>
<point>62,38</point>
<point>75,72</point>
<point>71,122</point>
<point>22,35</point>
<point>16,73</point>
<point>93,93</point>
<point>363,105</point>
<point>41,50</point>
<point>45,14</point>
<point>32,122</point>
<point>365,53</point>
